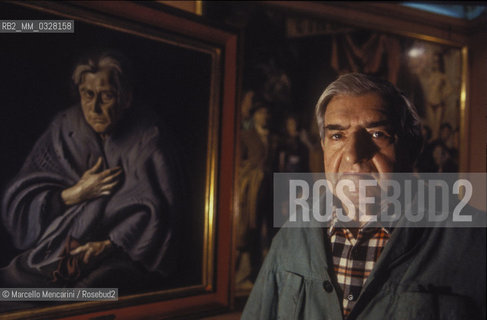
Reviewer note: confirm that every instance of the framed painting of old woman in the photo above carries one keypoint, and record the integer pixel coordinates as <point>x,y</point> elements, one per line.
<point>113,172</point>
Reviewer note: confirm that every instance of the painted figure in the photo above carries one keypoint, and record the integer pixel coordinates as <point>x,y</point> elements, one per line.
<point>293,155</point>
<point>94,204</point>
<point>258,147</point>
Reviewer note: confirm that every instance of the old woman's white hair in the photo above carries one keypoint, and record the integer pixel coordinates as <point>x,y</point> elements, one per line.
<point>116,63</point>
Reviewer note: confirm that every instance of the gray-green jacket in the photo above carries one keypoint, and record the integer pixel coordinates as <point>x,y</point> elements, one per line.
<point>421,274</point>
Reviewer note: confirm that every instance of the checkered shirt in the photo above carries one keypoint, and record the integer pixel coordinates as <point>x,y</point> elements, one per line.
<point>354,259</point>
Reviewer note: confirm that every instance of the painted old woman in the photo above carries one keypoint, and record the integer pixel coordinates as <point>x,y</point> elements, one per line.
<point>94,204</point>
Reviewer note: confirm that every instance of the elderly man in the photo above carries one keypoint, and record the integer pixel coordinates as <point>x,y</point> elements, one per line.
<point>94,203</point>
<point>368,127</point>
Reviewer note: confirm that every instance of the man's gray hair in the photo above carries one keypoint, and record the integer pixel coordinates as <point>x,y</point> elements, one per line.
<point>115,62</point>
<point>401,111</point>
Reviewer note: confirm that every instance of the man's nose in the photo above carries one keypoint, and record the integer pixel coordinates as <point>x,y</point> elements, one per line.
<point>359,147</point>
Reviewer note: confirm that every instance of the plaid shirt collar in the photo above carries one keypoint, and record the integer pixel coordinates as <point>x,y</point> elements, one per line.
<point>335,223</point>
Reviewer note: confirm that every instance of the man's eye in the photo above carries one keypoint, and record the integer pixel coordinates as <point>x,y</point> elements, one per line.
<point>336,136</point>
<point>382,135</point>
<point>378,134</point>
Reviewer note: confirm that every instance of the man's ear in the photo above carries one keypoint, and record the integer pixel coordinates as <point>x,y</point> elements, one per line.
<point>322,142</point>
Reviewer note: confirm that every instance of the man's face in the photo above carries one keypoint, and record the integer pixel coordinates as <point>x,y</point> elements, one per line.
<point>358,136</point>
<point>99,101</point>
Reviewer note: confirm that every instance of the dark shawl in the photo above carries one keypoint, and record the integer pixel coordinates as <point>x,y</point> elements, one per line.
<point>139,217</point>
